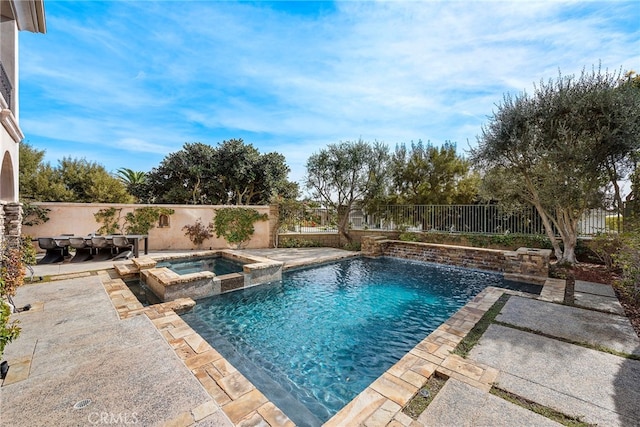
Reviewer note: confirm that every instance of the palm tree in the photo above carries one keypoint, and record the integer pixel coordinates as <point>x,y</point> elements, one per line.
<point>130,177</point>
<point>134,181</point>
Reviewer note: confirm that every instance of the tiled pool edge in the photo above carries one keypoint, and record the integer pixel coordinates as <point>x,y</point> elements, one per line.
<point>382,401</point>
<point>240,400</point>
<point>380,404</point>
<point>169,285</point>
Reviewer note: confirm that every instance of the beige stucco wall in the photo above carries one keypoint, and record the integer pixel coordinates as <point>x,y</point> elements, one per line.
<point>77,218</point>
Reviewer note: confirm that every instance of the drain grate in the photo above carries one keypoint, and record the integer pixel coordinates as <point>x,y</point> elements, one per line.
<point>82,404</point>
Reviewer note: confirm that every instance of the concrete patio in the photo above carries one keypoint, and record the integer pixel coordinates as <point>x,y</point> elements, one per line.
<point>88,354</point>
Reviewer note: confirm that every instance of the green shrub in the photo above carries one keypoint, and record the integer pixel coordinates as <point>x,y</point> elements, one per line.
<point>141,220</point>
<point>236,224</point>
<point>28,250</point>
<point>8,331</point>
<point>605,247</point>
<point>353,246</point>
<point>510,241</point>
<point>11,276</point>
<point>110,220</point>
<point>298,243</point>
<point>613,223</point>
<point>409,237</point>
<point>627,259</point>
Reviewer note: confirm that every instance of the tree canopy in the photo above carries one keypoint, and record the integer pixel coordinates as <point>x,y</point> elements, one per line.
<point>346,173</point>
<point>561,149</point>
<point>231,173</point>
<point>73,180</point>
<point>429,175</point>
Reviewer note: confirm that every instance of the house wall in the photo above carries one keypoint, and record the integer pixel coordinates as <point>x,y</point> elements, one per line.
<point>78,219</point>
<point>10,134</point>
<point>14,15</point>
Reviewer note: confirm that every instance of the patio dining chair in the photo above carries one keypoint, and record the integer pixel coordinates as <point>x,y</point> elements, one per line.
<point>123,246</point>
<point>103,250</point>
<point>54,252</point>
<point>83,249</point>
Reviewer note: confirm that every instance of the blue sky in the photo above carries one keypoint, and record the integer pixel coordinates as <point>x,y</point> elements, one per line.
<point>124,83</point>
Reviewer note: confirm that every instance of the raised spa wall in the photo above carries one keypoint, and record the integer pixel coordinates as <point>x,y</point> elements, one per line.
<point>169,285</point>
<point>523,264</point>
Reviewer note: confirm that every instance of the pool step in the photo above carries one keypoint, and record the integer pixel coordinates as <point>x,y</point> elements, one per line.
<point>133,266</point>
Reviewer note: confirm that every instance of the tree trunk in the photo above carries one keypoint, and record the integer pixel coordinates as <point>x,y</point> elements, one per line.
<point>557,250</point>
<point>343,222</point>
<point>567,226</point>
<point>535,200</point>
<point>613,178</point>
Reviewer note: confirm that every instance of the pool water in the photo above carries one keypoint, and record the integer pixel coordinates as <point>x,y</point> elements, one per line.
<point>313,341</point>
<point>142,292</point>
<point>218,265</point>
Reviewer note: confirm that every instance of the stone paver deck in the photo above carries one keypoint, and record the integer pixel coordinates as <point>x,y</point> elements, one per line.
<point>597,296</point>
<point>572,323</point>
<point>459,404</point>
<point>75,348</point>
<point>599,387</point>
<point>302,257</point>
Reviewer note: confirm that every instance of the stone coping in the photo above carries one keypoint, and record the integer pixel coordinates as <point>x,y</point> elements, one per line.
<point>380,404</point>
<point>240,400</point>
<point>167,284</point>
<point>142,263</point>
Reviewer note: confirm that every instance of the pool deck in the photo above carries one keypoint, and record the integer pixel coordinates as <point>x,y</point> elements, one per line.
<point>86,342</point>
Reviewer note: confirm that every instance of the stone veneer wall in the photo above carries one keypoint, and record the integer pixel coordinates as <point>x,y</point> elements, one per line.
<point>10,221</point>
<point>524,261</point>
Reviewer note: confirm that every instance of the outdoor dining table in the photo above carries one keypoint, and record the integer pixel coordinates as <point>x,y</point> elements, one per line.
<point>62,243</point>
<point>133,238</point>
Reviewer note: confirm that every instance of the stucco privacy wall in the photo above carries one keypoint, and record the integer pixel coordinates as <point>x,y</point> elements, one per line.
<point>78,219</point>
<point>523,262</point>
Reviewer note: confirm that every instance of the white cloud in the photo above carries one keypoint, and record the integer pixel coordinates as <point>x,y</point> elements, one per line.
<point>145,77</point>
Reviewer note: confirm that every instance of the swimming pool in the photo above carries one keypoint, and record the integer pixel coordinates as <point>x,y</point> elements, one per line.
<point>316,339</point>
<point>218,265</point>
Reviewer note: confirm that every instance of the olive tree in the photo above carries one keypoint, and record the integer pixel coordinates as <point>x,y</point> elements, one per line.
<point>554,149</point>
<point>347,173</point>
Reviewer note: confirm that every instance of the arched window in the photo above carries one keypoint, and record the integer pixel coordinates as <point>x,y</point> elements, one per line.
<point>7,193</point>
<point>163,221</point>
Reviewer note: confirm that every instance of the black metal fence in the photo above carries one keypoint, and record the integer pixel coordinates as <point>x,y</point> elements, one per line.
<point>477,219</point>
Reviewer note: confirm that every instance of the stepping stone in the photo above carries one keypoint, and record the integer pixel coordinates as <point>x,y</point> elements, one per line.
<point>594,288</point>
<point>459,404</point>
<point>598,302</point>
<point>572,323</point>
<point>577,381</point>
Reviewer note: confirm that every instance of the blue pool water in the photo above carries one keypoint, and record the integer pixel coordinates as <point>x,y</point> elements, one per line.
<point>316,339</point>
<point>218,265</point>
